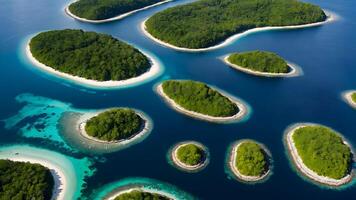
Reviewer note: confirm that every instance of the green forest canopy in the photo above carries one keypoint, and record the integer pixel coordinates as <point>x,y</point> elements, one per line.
<point>25,181</point>
<point>353,96</point>
<point>206,23</point>
<point>199,97</point>
<point>261,61</point>
<point>104,9</point>
<point>88,54</point>
<point>251,159</point>
<point>114,124</point>
<point>191,154</point>
<point>141,195</point>
<point>323,151</point>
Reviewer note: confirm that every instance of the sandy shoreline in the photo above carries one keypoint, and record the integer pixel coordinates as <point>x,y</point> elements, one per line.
<point>127,190</point>
<point>153,71</point>
<point>237,117</point>
<point>303,168</point>
<point>121,16</point>
<point>294,70</point>
<point>330,17</point>
<point>237,173</point>
<point>348,99</point>
<point>184,166</point>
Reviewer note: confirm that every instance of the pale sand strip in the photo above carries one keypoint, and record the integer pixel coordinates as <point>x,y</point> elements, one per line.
<point>67,11</point>
<point>294,70</point>
<point>330,17</point>
<point>303,168</point>
<point>237,117</point>
<point>153,71</point>
<point>177,162</point>
<point>144,189</point>
<point>237,173</point>
<point>348,99</point>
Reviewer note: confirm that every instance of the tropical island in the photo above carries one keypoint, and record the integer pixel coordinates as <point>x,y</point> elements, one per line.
<point>24,180</point>
<point>139,194</point>
<point>198,100</point>
<point>350,97</point>
<point>333,164</point>
<point>99,11</point>
<point>189,156</point>
<point>209,24</point>
<point>89,58</point>
<point>249,161</point>
<point>260,63</point>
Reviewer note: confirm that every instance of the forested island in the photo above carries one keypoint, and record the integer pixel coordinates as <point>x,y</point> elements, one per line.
<point>206,23</point>
<point>249,161</point>
<point>350,97</point>
<point>97,10</point>
<point>141,195</point>
<point>190,156</point>
<point>23,180</point>
<point>333,163</point>
<point>114,125</point>
<point>89,55</point>
<point>199,100</point>
<point>262,63</point>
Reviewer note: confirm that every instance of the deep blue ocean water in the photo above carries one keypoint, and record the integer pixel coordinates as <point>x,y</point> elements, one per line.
<point>326,54</point>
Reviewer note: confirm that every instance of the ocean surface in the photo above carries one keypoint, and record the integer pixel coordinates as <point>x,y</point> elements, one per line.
<point>33,103</point>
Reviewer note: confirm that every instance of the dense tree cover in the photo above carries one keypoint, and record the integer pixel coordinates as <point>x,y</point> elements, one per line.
<point>207,22</point>
<point>141,195</point>
<point>199,97</point>
<point>261,61</point>
<point>323,151</point>
<point>88,54</point>
<point>191,154</point>
<point>25,181</point>
<point>104,9</point>
<point>353,97</point>
<point>114,124</point>
<point>251,159</point>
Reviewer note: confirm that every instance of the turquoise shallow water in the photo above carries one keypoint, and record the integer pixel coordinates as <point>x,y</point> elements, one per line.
<point>325,54</point>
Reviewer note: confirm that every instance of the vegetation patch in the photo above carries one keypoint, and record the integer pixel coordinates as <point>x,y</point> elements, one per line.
<point>191,154</point>
<point>260,61</point>
<point>141,195</point>
<point>353,97</point>
<point>88,55</point>
<point>199,97</point>
<point>323,151</point>
<point>114,124</point>
<point>20,180</point>
<point>206,23</point>
<point>251,159</point>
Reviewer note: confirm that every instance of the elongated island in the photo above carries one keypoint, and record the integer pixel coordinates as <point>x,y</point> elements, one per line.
<point>198,100</point>
<point>320,153</point>
<point>90,58</point>
<point>249,161</point>
<point>210,24</point>
<point>261,63</point>
<point>139,194</point>
<point>190,156</point>
<point>101,11</point>
<point>350,97</point>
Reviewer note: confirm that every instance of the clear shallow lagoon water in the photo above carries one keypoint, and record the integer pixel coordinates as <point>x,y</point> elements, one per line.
<point>326,54</point>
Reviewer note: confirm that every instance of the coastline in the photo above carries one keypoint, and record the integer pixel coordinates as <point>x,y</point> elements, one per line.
<point>237,173</point>
<point>153,71</point>
<point>113,195</point>
<point>330,17</point>
<point>348,99</point>
<point>185,167</point>
<point>299,164</point>
<point>237,117</point>
<point>293,73</point>
<point>121,16</point>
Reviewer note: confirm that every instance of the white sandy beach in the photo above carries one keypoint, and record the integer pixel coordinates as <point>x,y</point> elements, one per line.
<point>237,117</point>
<point>294,70</point>
<point>184,166</point>
<point>67,11</point>
<point>115,194</point>
<point>347,96</point>
<point>330,17</point>
<point>303,168</point>
<point>153,71</point>
<point>237,173</point>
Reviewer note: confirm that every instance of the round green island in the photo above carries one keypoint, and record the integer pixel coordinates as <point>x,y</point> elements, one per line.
<point>190,156</point>
<point>249,161</point>
<point>260,63</point>
<point>350,97</point>
<point>89,58</point>
<point>139,194</point>
<point>320,153</point>
<point>24,180</point>
<point>198,100</point>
